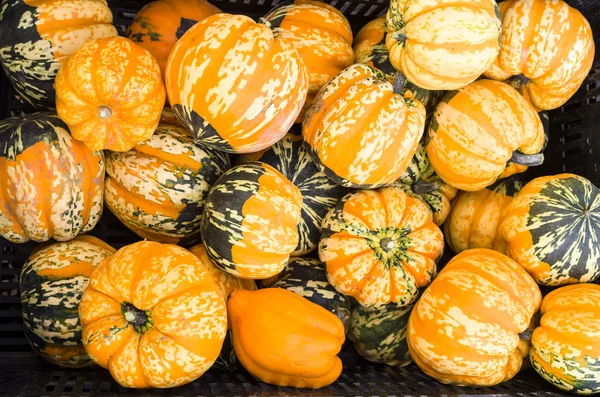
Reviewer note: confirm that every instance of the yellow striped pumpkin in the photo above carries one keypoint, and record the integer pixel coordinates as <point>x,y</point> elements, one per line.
<point>440,44</point>
<point>238,91</point>
<point>547,51</point>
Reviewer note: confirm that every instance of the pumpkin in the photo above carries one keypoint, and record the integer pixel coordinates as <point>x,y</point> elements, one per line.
<point>547,51</point>
<point>483,132</point>
<point>322,36</point>
<point>475,216</point>
<point>159,24</point>
<point>566,346</point>
<point>307,277</point>
<point>168,117</point>
<point>51,284</point>
<point>37,36</point>
<point>153,316</point>
<point>51,185</point>
<point>283,339</point>
<point>420,181</point>
<point>552,229</point>
<point>250,221</point>
<point>158,188</point>
<point>239,91</point>
<point>369,48</point>
<point>110,94</point>
<point>464,329</point>
<point>380,246</point>
<point>442,45</point>
<point>361,131</point>
<point>319,194</point>
<point>379,334</point>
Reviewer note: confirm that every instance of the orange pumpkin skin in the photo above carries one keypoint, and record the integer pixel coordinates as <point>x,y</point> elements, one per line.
<point>159,24</point>
<point>284,339</point>
<point>238,91</point>
<point>323,37</point>
<point>380,246</point>
<point>153,316</point>
<point>547,50</point>
<point>464,329</point>
<point>110,94</point>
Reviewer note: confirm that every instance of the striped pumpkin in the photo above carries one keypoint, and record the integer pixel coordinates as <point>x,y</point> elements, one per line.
<point>379,334</point>
<point>51,185</point>
<point>319,194</point>
<point>464,329</point>
<point>547,51</point>
<point>552,229</point>
<point>37,36</point>
<point>380,246</point>
<point>110,94</point>
<point>566,347</point>
<point>420,181</point>
<point>153,316</point>
<point>360,129</point>
<point>158,188</point>
<point>442,45</point>
<point>475,216</point>
<point>237,91</point>
<point>307,277</point>
<point>250,221</point>
<point>322,36</point>
<point>483,132</point>
<point>51,284</point>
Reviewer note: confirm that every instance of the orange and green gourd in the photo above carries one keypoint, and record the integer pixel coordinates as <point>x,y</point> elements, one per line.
<point>51,284</point>
<point>380,247</point>
<point>153,316</point>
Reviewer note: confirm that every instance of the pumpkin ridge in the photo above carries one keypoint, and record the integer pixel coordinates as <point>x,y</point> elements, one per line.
<point>88,183</point>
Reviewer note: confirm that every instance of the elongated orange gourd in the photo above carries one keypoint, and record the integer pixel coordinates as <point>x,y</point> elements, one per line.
<point>237,91</point>
<point>153,316</point>
<point>284,339</point>
<point>110,94</point>
<point>464,329</point>
<point>547,51</point>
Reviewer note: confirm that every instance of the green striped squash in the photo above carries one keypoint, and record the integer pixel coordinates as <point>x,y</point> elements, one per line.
<point>51,285</point>
<point>307,277</point>
<point>158,188</point>
<point>319,194</point>
<point>379,334</point>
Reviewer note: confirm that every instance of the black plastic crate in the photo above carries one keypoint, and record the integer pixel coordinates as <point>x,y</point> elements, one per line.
<point>573,147</point>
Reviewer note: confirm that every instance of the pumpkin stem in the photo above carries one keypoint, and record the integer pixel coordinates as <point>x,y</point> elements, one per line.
<point>424,187</point>
<point>387,244</point>
<point>526,335</point>
<point>399,36</point>
<point>399,83</point>
<point>518,81</point>
<point>141,320</point>
<point>529,160</point>
<point>104,112</point>
<point>266,22</point>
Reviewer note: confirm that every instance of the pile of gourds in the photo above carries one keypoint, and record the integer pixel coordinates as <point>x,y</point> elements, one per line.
<point>345,149</point>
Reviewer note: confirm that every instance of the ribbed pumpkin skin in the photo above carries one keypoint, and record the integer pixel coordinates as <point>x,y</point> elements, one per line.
<point>110,94</point>
<point>550,44</point>
<point>307,277</point>
<point>158,188</point>
<point>464,328</point>
<point>159,24</point>
<point>440,44</point>
<point>51,284</point>
<point>250,221</point>
<point>37,36</point>
<point>284,339</point>
<point>239,91</point>
<point>380,246</point>
<point>132,313</point>
<point>475,216</point>
<point>566,346</point>
<point>379,334</point>
<point>319,193</point>
<point>52,185</point>
<point>552,229</point>
<point>322,36</point>
<point>420,181</point>
<point>360,132</point>
<point>475,130</point>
